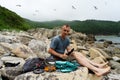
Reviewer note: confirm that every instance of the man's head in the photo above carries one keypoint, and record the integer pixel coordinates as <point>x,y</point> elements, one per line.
<point>65,30</point>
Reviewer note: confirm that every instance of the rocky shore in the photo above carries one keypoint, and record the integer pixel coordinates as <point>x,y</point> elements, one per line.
<point>17,47</point>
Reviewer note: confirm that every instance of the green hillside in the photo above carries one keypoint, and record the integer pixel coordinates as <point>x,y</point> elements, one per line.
<point>88,26</point>
<point>96,27</point>
<point>47,24</point>
<point>10,20</point>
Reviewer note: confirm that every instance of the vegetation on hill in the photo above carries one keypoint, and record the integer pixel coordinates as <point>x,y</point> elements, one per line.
<point>88,26</point>
<point>10,20</point>
<point>97,27</point>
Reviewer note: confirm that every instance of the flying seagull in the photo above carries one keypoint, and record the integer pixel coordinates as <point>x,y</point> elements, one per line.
<point>36,10</point>
<point>105,3</point>
<point>73,7</point>
<point>34,14</point>
<point>54,9</point>
<point>95,7</point>
<point>18,5</point>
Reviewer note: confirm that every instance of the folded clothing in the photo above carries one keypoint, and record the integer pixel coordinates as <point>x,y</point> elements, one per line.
<point>66,66</point>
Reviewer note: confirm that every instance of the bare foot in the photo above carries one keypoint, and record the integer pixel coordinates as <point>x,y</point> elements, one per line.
<point>103,71</point>
<point>102,65</point>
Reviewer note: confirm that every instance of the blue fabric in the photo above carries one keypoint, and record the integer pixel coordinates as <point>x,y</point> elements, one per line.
<point>34,63</point>
<point>59,44</point>
<point>66,66</point>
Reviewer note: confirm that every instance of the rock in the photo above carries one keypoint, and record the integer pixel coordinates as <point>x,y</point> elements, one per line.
<point>95,53</point>
<point>23,51</point>
<point>112,51</point>
<point>93,77</point>
<point>113,77</point>
<point>27,44</point>
<point>102,40</point>
<point>18,49</point>
<point>5,48</point>
<point>79,48</point>
<point>73,44</point>
<point>1,64</point>
<point>11,72</point>
<point>115,58</point>
<point>2,51</point>
<point>80,74</point>
<point>107,43</point>
<point>85,53</point>
<point>104,53</point>
<point>99,45</point>
<point>24,39</point>
<point>11,59</point>
<point>98,60</point>
<point>8,39</point>
<point>1,78</point>
<point>39,48</point>
<point>79,36</point>
<point>91,38</point>
<point>114,65</point>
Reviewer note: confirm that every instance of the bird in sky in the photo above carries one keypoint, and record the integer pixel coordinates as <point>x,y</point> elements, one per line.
<point>34,14</point>
<point>54,9</point>
<point>36,10</point>
<point>73,7</point>
<point>95,7</point>
<point>18,5</point>
<point>105,3</point>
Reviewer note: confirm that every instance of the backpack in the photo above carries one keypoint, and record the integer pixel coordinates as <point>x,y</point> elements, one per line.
<point>33,64</point>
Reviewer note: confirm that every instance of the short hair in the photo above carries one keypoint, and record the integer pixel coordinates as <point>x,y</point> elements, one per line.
<point>66,25</point>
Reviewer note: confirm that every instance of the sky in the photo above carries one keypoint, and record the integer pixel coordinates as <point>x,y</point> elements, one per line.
<point>47,10</point>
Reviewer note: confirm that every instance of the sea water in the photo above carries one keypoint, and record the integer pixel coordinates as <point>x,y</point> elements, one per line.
<point>113,38</point>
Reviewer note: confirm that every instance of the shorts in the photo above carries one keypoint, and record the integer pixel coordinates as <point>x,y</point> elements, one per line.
<point>54,58</point>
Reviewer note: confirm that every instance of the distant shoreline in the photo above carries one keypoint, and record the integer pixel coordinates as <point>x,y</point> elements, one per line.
<point>114,38</point>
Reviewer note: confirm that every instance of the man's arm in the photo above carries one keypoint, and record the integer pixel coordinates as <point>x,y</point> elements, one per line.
<point>53,52</point>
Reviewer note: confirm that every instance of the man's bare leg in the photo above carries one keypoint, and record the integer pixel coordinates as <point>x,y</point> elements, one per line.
<point>83,61</point>
<point>93,63</point>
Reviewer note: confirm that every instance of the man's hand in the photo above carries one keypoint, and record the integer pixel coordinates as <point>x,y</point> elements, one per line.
<point>63,56</point>
<point>70,51</point>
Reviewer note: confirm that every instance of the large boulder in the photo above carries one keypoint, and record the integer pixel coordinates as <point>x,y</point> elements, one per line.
<point>12,67</point>
<point>23,51</point>
<point>39,48</point>
<point>80,74</point>
<point>95,53</point>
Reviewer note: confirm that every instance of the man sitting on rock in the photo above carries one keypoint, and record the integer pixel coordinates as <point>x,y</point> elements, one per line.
<point>61,42</point>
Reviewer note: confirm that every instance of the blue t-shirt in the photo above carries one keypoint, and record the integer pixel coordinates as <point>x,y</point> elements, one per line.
<point>59,44</point>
